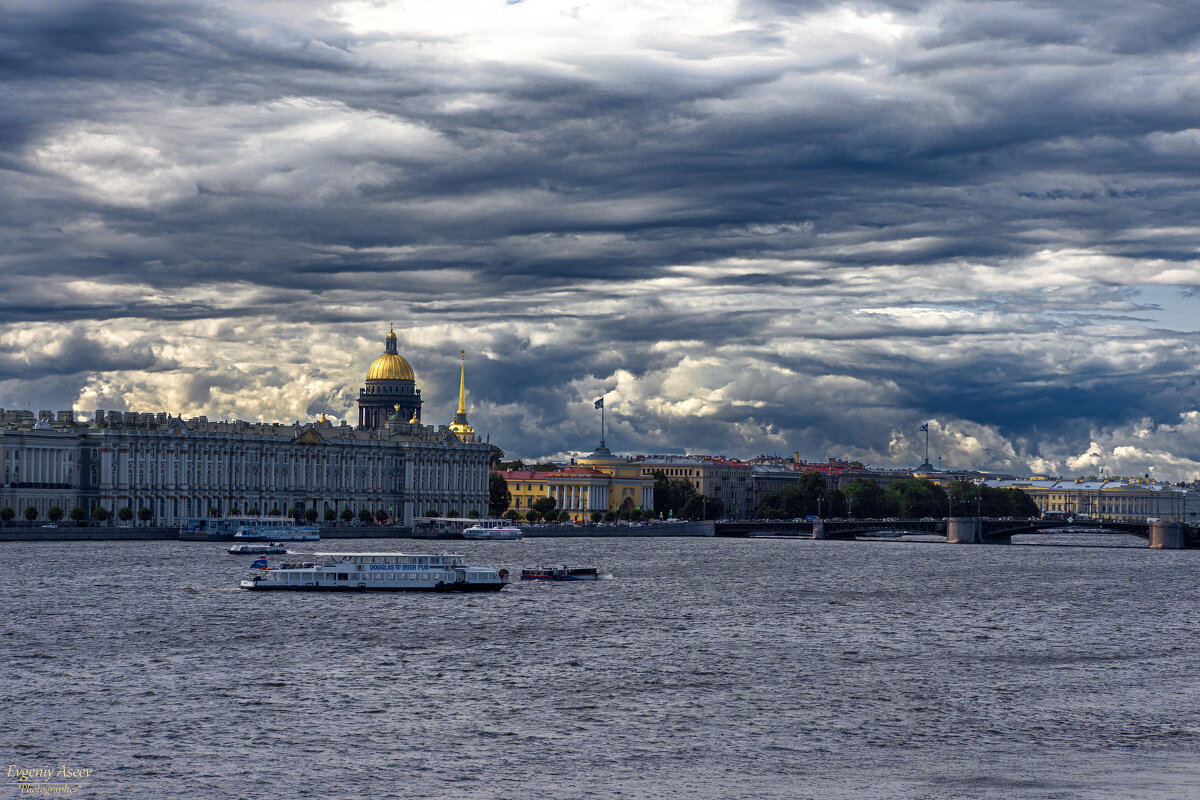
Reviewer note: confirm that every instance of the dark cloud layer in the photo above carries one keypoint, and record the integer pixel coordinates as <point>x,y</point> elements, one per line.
<point>756,226</point>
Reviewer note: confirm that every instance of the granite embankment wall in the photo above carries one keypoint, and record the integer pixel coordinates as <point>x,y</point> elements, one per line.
<point>669,529</point>
<point>155,532</point>
<point>28,533</point>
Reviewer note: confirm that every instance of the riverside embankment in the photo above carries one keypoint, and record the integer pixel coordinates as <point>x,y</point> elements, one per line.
<point>31,533</point>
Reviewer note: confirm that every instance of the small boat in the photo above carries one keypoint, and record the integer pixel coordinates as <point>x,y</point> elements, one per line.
<point>445,572</point>
<point>492,529</point>
<point>562,574</point>
<point>272,549</point>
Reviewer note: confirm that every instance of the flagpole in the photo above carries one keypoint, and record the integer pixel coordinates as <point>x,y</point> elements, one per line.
<point>602,426</point>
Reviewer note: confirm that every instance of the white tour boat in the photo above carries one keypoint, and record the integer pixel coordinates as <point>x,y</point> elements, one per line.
<point>492,529</point>
<point>272,549</point>
<point>247,529</point>
<point>276,529</point>
<point>378,572</point>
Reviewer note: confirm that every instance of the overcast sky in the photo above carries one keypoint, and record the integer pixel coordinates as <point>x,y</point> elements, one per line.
<point>753,227</point>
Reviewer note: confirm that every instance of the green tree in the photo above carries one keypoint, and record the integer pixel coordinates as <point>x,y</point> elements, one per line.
<point>915,497</point>
<point>213,511</point>
<point>474,513</point>
<point>381,514</point>
<point>701,506</point>
<point>31,513</point>
<point>499,497</point>
<point>808,496</point>
<point>544,506</point>
<point>509,466</point>
<point>512,515</point>
<point>7,513</point>
<point>54,513</point>
<point>275,512</point>
<point>364,516</point>
<point>144,514</point>
<point>597,516</point>
<point>100,514</point>
<point>670,496</point>
<point>347,514</point>
<point>124,513</point>
<point>532,515</point>
<point>610,516</point>
<point>432,512</point>
<point>310,515</point>
<point>453,513</point>
<point>865,499</point>
<point>496,457</point>
<point>564,516</point>
<point>330,515</point>
<point>254,512</point>
<point>77,513</point>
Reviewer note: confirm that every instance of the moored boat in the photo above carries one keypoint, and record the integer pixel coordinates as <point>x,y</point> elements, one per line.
<point>492,529</point>
<point>276,529</point>
<point>272,549</point>
<point>562,574</point>
<point>444,572</point>
<point>247,529</point>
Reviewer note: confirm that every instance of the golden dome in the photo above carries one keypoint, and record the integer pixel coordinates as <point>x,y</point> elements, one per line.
<point>390,367</point>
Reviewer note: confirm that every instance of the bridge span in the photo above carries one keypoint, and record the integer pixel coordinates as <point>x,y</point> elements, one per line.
<point>967,530</point>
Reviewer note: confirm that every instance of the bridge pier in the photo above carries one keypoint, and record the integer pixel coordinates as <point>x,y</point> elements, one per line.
<point>964,530</point>
<point>1167,535</point>
<point>818,529</point>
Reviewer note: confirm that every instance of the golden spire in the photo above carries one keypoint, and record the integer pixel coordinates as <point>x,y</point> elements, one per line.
<point>462,384</point>
<point>461,428</point>
<point>414,420</point>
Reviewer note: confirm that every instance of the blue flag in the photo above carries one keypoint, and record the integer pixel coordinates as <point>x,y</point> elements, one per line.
<point>259,563</point>
<point>599,402</point>
<point>925,427</point>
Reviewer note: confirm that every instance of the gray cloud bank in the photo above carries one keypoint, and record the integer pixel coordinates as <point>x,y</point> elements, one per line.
<point>757,227</point>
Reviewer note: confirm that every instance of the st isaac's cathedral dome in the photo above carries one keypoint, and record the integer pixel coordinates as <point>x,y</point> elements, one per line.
<point>391,384</point>
<point>391,366</point>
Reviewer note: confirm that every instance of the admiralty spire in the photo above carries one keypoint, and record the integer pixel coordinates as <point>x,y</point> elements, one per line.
<point>461,428</point>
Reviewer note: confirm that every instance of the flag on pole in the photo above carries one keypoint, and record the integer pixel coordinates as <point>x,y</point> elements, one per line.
<point>925,427</point>
<point>599,402</point>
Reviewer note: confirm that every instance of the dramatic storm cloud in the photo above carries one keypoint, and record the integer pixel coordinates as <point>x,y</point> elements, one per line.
<point>753,227</point>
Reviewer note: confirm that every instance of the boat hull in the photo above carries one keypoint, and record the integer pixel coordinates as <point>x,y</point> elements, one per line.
<point>451,587</point>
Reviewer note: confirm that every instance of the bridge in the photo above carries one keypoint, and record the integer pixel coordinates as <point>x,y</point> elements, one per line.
<point>968,530</point>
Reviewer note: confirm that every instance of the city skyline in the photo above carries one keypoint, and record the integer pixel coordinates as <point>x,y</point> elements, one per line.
<point>752,227</point>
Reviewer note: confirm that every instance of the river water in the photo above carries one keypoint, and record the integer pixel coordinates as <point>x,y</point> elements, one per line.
<point>706,668</point>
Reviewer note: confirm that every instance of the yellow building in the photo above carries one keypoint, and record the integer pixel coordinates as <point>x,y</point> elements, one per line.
<point>1108,501</point>
<point>629,487</point>
<point>579,491</point>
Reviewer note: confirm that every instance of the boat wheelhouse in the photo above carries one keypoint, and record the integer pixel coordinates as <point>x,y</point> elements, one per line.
<point>444,572</point>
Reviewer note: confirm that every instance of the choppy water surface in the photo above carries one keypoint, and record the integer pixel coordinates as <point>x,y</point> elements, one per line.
<point>705,668</point>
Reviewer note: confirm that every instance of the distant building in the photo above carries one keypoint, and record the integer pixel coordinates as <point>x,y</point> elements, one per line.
<point>725,479</point>
<point>1108,501</point>
<point>181,468</point>
<point>582,489</point>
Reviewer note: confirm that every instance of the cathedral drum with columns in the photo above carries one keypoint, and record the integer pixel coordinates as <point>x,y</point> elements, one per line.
<point>165,468</point>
